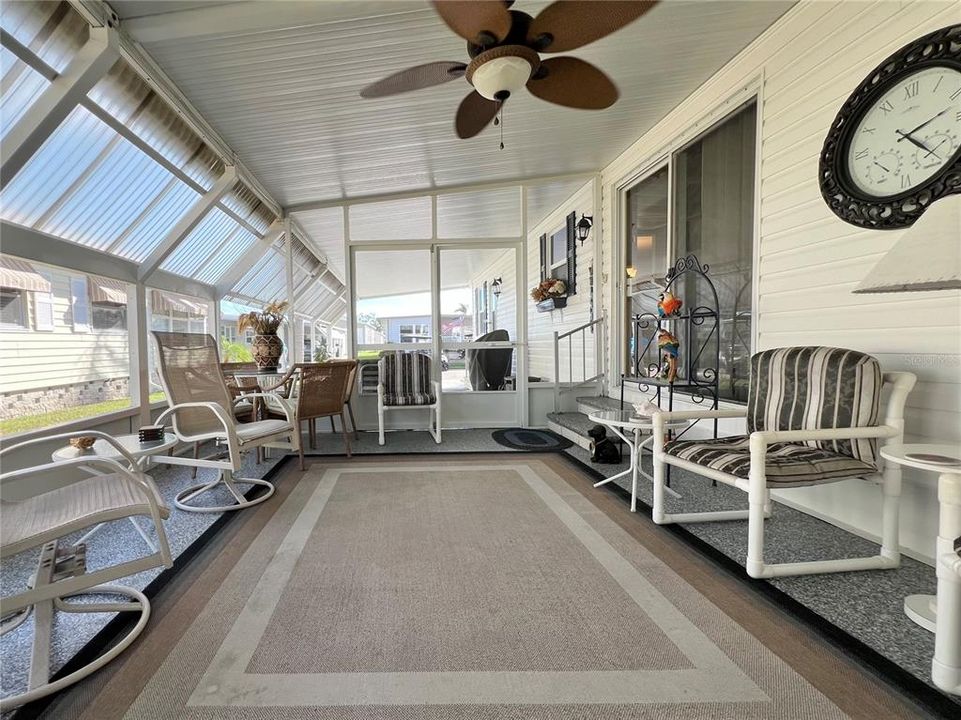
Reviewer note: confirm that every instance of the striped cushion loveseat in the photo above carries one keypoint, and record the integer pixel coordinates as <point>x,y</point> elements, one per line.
<point>811,418</point>
<point>405,383</point>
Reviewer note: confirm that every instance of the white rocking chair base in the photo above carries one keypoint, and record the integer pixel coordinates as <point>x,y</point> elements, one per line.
<point>43,613</point>
<point>185,496</point>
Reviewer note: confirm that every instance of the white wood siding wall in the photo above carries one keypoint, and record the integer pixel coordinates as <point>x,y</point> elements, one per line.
<point>807,261</point>
<point>504,267</point>
<point>33,359</point>
<point>542,326</point>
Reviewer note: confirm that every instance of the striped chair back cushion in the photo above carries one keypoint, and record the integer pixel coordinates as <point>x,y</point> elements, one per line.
<point>406,378</point>
<point>809,388</point>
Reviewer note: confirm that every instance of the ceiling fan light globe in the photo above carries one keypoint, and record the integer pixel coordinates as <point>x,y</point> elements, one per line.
<point>501,75</point>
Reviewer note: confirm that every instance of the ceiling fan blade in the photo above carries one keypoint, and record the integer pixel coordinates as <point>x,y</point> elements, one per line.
<point>415,78</point>
<point>574,83</point>
<point>474,114</point>
<point>482,23</point>
<point>569,24</point>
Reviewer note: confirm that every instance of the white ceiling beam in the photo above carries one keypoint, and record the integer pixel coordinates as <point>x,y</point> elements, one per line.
<point>90,64</point>
<point>248,17</point>
<point>188,222</point>
<point>236,271</point>
<point>27,55</point>
<point>40,247</point>
<point>436,191</point>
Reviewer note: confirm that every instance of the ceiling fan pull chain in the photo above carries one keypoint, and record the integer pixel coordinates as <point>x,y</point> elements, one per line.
<point>501,123</point>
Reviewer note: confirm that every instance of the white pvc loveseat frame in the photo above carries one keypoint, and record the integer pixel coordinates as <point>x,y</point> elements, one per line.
<point>891,431</point>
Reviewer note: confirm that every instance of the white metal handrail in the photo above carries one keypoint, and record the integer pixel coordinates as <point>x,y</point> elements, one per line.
<point>569,336</point>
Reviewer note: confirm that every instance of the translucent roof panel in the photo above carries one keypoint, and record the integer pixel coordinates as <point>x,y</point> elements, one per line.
<point>266,280</point>
<point>52,30</point>
<point>124,95</point>
<point>486,214</point>
<point>21,86</point>
<point>89,185</point>
<point>155,222</point>
<point>214,245</point>
<point>391,220</point>
<point>242,201</point>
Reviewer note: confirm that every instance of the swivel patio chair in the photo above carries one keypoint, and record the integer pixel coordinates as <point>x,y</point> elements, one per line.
<point>812,418</point>
<point>201,409</point>
<point>404,383</point>
<point>105,491</point>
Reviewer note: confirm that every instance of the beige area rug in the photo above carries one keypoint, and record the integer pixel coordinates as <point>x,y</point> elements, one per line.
<point>465,588</point>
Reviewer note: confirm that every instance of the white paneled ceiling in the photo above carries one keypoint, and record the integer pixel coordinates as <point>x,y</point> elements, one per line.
<point>280,82</point>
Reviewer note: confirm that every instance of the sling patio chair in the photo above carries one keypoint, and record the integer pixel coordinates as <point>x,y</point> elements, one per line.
<point>105,490</point>
<point>404,383</point>
<point>812,418</point>
<point>200,407</point>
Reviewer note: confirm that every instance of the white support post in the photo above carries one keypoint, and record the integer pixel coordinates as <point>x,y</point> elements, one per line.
<point>523,341</point>
<point>293,350</point>
<point>139,327</point>
<point>351,338</point>
<point>91,63</point>
<point>187,223</point>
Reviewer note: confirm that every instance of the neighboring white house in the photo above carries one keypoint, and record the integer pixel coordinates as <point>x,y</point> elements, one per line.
<point>65,340</point>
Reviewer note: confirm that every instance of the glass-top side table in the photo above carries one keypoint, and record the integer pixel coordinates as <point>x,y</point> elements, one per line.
<point>629,427</point>
<point>141,452</point>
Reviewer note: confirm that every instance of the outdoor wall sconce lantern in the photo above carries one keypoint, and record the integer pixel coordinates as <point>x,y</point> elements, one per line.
<point>496,286</point>
<point>584,226</point>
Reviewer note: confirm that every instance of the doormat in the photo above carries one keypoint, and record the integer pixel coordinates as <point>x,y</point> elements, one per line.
<point>531,440</point>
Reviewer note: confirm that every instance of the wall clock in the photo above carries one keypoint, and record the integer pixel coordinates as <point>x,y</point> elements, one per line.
<point>895,146</point>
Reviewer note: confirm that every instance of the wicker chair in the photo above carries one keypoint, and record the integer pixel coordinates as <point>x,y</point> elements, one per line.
<point>812,418</point>
<point>349,392</point>
<point>316,390</point>
<point>200,408</point>
<point>106,490</point>
<point>405,383</point>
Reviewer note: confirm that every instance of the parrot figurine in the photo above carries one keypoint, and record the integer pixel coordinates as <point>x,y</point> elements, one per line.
<point>668,304</point>
<point>669,347</point>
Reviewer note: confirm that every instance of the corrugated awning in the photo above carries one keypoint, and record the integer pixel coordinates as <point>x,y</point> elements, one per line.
<point>103,290</point>
<point>161,302</point>
<point>20,275</point>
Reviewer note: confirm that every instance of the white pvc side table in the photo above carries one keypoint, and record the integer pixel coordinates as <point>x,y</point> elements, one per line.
<point>942,615</point>
<point>628,427</point>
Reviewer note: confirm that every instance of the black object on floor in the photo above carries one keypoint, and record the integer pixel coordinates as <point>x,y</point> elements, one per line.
<point>531,440</point>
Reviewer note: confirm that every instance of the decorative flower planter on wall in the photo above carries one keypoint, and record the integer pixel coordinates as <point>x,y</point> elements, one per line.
<point>551,304</point>
<point>267,350</point>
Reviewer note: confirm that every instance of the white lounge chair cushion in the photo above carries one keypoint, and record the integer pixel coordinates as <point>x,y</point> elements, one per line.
<point>249,432</point>
<point>55,514</point>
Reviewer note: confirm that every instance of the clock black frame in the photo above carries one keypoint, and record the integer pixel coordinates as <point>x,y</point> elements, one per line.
<point>941,48</point>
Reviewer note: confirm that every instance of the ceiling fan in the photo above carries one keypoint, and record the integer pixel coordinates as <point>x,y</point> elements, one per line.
<point>505,47</point>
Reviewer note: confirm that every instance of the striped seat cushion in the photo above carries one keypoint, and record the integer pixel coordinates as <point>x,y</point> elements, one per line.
<point>810,388</point>
<point>788,464</point>
<point>406,378</point>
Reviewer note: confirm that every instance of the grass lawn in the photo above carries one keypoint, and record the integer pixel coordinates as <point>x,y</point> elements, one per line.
<point>58,417</point>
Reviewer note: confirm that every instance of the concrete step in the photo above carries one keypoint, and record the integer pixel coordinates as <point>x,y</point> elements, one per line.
<point>573,426</point>
<point>588,404</point>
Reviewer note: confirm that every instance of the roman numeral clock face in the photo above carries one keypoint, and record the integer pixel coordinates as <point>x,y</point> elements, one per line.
<point>908,134</point>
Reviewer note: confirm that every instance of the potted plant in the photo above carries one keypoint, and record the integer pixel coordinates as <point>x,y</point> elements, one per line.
<point>267,346</point>
<point>549,295</point>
